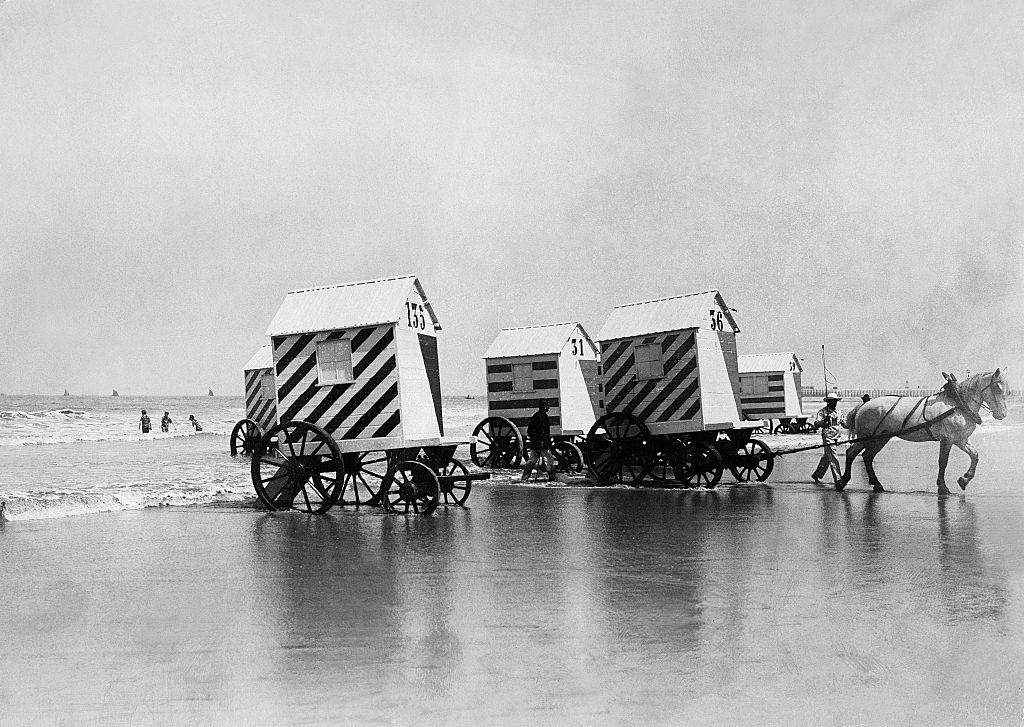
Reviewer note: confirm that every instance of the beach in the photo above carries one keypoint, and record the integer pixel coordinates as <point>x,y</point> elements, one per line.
<point>783,603</point>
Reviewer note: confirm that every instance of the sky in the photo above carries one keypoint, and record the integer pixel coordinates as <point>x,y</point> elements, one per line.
<point>846,174</point>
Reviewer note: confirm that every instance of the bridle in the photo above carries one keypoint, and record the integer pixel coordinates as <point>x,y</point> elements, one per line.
<point>981,395</point>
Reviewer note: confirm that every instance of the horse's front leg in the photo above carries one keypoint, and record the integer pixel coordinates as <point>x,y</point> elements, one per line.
<point>944,446</point>
<point>969,474</point>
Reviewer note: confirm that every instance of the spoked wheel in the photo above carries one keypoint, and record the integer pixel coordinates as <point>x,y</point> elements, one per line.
<point>662,462</point>
<point>496,443</point>
<point>364,476</point>
<point>752,461</point>
<point>410,486</point>
<point>456,489</point>
<point>698,464</point>
<point>619,450</point>
<point>245,437</point>
<point>568,458</point>
<point>298,467</point>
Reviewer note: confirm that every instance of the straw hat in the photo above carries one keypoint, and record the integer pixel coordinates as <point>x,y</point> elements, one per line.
<point>832,396</point>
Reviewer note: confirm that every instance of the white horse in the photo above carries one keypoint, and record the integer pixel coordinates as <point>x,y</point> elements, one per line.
<point>948,417</point>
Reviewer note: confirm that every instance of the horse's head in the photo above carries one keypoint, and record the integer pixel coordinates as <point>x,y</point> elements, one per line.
<point>993,393</point>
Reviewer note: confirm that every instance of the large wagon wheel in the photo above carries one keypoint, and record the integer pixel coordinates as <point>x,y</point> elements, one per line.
<point>698,464</point>
<point>456,489</point>
<point>619,449</point>
<point>752,461</point>
<point>245,437</point>
<point>364,476</point>
<point>298,466</point>
<point>496,443</point>
<point>410,485</point>
<point>568,458</point>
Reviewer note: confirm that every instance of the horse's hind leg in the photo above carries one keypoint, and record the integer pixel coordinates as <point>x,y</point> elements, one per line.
<point>944,446</point>
<point>851,454</point>
<point>969,474</point>
<point>871,450</point>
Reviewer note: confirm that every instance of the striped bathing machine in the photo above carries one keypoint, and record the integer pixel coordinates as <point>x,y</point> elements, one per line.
<point>670,400</point>
<point>260,403</point>
<point>556,363</point>
<point>770,389</point>
<point>357,400</point>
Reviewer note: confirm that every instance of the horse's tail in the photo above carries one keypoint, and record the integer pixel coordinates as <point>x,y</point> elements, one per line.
<point>851,417</point>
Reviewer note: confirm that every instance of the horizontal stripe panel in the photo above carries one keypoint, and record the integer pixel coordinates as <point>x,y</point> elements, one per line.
<point>545,365</point>
<point>499,386</point>
<point>545,384</point>
<point>747,399</point>
<point>499,368</point>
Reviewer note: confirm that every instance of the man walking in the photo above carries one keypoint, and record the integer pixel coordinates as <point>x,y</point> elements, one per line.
<point>538,432</point>
<point>828,421</point>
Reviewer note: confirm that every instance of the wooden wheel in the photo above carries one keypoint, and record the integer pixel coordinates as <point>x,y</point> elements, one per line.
<point>364,476</point>
<point>298,467</point>
<point>496,443</point>
<point>568,458</point>
<point>752,461</point>
<point>619,450</point>
<point>698,464</point>
<point>457,489</point>
<point>409,486</point>
<point>663,461</point>
<point>245,437</point>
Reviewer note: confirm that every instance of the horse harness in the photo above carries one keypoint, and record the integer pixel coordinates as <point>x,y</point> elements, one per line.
<point>958,404</point>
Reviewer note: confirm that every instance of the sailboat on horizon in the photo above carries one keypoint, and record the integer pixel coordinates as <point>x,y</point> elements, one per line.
<point>210,393</point>
<point>115,393</point>
<point>66,393</point>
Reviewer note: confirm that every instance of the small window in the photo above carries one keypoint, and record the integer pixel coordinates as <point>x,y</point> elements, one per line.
<point>334,362</point>
<point>648,362</point>
<point>267,392</point>
<point>522,377</point>
<point>755,384</point>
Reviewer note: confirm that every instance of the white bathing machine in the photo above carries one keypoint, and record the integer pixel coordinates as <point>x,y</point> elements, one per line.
<point>555,362</point>
<point>671,394</point>
<point>770,388</point>
<point>358,389</point>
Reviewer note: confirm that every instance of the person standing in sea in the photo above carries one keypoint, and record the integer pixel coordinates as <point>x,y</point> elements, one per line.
<point>165,423</point>
<point>538,433</point>
<point>828,421</point>
<point>144,424</point>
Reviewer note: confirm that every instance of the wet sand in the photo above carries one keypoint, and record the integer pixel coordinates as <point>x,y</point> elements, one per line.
<point>750,605</point>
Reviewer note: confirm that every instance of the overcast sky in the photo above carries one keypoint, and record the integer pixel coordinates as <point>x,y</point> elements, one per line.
<point>846,173</point>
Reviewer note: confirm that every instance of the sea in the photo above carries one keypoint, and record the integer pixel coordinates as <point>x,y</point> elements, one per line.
<point>74,455</point>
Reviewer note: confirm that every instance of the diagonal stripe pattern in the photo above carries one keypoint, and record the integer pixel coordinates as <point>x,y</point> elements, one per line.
<point>260,410</point>
<point>675,396</point>
<point>367,407</point>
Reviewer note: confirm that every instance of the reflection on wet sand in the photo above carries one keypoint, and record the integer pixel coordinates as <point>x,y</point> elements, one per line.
<point>602,602</point>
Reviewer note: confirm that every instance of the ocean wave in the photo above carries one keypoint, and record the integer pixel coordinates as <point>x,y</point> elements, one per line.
<point>50,413</point>
<point>37,438</point>
<point>50,505</point>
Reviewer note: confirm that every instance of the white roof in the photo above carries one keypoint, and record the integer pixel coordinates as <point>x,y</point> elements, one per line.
<point>348,305</point>
<point>262,359</point>
<point>666,314</point>
<point>761,362</point>
<point>534,340</point>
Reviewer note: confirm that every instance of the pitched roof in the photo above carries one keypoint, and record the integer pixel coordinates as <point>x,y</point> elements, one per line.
<point>262,359</point>
<point>666,314</point>
<point>348,305</point>
<point>761,362</point>
<point>534,340</point>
